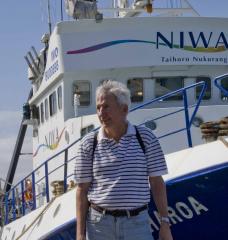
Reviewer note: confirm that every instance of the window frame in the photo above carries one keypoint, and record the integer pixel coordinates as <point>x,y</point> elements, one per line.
<point>143,96</point>
<point>90,92</point>
<point>52,104</point>
<point>86,130</point>
<point>222,95</point>
<point>171,98</point>
<point>197,97</point>
<point>42,112</point>
<point>46,109</point>
<point>60,97</point>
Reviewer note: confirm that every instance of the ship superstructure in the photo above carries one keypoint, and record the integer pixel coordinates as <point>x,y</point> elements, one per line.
<point>153,57</point>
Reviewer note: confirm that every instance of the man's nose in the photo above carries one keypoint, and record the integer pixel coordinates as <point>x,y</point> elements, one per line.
<point>101,111</point>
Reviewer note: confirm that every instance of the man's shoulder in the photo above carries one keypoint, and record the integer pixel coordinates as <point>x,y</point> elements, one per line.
<point>88,139</point>
<point>146,133</point>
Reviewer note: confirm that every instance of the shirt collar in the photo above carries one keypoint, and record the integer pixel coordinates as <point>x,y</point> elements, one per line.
<point>130,131</point>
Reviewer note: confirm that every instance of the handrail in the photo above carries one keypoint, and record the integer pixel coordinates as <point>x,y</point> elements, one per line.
<point>219,86</point>
<point>183,91</point>
<point>11,199</point>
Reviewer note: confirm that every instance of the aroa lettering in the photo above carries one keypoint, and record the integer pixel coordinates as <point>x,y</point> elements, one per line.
<point>181,211</point>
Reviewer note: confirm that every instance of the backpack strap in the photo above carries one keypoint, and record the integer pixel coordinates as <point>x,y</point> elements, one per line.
<point>137,135</point>
<point>140,140</point>
<point>94,143</point>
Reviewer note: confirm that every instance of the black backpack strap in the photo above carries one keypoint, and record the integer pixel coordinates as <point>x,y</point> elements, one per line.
<point>140,140</point>
<point>94,143</point>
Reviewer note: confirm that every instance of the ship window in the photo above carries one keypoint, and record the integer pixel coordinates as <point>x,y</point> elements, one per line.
<point>52,104</point>
<point>37,113</point>
<point>46,109</point>
<point>60,98</point>
<point>86,130</point>
<point>82,89</point>
<point>207,94</point>
<point>136,89</point>
<point>42,112</point>
<point>224,84</point>
<point>167,85</point>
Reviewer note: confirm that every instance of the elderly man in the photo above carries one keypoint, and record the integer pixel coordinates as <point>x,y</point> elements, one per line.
<point>115,171</point>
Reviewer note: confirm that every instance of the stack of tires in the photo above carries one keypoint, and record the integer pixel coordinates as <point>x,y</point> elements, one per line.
<point>212,130</point>
<point>209,131</point>
<point>223,127</point>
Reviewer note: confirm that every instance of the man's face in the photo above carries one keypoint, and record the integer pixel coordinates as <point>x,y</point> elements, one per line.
<point>109,111</point>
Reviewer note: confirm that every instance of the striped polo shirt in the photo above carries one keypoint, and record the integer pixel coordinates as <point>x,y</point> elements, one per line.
<point>119,171</point>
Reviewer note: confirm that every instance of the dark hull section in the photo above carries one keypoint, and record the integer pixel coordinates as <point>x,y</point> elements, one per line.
<point>65,232</point>
<point>197,206</point>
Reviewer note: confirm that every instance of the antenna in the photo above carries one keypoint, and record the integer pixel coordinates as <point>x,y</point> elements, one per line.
<point>33,62</point>
<point>49,16</point>
<point>31,67</point>
<point>61,10</point>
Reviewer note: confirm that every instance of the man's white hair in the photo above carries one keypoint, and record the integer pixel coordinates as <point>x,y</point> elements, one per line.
<point>119,90</point>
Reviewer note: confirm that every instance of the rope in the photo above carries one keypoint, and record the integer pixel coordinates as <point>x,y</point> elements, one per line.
<point>33,222</point>
<point>222,139</point>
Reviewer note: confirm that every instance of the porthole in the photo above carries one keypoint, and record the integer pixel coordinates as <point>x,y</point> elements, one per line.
<point>197,121</point>
<point>151,124</point>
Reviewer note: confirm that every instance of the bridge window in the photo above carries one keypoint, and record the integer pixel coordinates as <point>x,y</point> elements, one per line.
<point>37,114</point>
<point>42,112</point>
<point>46,112</point>
<point>60,97</point>
<point>169,84</point>
<point>224,84</point>
<point>52,104</point>
<point>136,89</point>
<point>207,94</point>
<point>82,89</point>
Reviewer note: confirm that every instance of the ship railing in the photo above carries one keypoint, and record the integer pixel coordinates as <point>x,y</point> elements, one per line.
<point>15,203</point>
<point>218,83</point>
<point>188,120</point>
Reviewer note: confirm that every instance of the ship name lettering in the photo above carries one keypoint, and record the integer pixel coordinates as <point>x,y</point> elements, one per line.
<point>194,39</point>
<point>52,70</point>
<point>180,212</point>
<point>54,54</point>
<point>172,59</point>
<point>210,59</point>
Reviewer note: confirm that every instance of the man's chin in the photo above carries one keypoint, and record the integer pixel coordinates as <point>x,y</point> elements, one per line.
<point>106,124</point>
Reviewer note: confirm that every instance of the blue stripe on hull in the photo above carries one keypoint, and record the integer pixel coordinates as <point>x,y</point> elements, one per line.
<point>197,204</point>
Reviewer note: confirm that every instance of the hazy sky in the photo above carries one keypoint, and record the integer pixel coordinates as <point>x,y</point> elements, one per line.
<point>22,23</point>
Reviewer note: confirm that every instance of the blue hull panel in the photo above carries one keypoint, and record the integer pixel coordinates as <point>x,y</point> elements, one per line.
<point>198,208</point>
